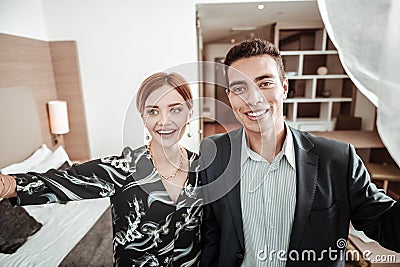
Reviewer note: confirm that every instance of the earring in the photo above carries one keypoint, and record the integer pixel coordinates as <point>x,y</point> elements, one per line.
<point>147,135</point>
<point>189,133</point>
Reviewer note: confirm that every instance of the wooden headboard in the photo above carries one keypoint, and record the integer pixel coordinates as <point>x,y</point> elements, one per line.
<point>51,71</point>
<point>20,125</point>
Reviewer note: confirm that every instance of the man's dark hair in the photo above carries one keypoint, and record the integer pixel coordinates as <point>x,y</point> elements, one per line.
<point>252,48</point>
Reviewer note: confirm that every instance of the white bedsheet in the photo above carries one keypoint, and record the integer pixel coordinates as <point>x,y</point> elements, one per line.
<point>64,225</point>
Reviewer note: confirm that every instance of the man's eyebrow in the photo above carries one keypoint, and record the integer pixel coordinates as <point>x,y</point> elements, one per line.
<point>237,83</point>
<point>265,76</point>
<point>257,79</point>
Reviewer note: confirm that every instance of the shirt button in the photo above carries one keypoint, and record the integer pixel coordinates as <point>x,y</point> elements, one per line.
<point>271,225</point>
<point>269,200</point>
<point>239,255</point>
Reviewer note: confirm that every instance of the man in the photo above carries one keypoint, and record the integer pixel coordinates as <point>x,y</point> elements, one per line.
<point>278,196</point>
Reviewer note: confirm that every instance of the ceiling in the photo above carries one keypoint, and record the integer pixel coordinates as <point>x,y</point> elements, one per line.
<point>216,21</point>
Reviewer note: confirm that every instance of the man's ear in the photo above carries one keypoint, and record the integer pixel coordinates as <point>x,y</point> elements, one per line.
<point>285,86</point>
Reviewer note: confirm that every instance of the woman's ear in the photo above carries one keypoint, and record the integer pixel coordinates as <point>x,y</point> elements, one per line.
<point>190,114</point>
<point>143,119</point>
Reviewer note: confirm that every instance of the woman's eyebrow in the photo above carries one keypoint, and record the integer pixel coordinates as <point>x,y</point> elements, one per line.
<point>174,104</point>
<point>151,106</point>
<point>170,105</point>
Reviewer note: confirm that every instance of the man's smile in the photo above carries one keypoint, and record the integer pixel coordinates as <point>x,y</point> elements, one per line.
<point>256,115</point>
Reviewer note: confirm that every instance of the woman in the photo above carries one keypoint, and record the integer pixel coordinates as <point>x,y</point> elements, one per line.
<point>156,207</point>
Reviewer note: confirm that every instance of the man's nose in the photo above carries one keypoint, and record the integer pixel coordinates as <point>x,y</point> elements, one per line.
<point>254,96</point>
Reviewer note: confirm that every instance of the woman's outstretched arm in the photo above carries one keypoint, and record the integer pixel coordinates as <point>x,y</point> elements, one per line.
<point>8,186</point>
<point>97,178</point>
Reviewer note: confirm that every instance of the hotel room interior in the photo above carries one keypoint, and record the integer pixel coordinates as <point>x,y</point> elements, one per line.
<point>69,71</point>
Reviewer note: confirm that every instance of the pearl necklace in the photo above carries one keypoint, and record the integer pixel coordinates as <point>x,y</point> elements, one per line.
<point>155,166</point>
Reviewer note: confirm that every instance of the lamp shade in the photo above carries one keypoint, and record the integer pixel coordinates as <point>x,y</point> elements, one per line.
<point>58,116</point>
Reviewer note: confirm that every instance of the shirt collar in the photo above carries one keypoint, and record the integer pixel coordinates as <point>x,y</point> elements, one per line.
<point>288,148</point>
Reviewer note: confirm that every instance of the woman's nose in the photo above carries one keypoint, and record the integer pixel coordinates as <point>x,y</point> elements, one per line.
<point>164,118</point>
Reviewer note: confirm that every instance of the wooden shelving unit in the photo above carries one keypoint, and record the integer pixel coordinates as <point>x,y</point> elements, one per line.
<point>314,99</point>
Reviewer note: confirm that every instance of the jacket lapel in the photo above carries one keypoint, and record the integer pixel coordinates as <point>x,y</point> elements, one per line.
<point>232,179</point>
<point>307,175</point>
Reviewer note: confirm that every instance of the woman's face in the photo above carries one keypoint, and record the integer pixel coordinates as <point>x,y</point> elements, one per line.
<point>165,115</point>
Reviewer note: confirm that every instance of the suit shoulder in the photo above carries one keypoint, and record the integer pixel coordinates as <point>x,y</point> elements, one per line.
<point>213,143</point>
<point>224,137</point>
<point>325,143</point>
<point>216,138</point>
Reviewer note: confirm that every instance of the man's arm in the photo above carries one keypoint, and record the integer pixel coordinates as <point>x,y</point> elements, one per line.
<point>210,230</point>
<point>210,238</point>
<point>372,211</point>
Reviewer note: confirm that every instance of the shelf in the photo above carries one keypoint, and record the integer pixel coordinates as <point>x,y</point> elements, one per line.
<point>312,124</point>
<point>307,63</point>
<point>334,99</point>
<point>317,99</point>
<point>309,52</point>
<point>313,120</point>
<point>328,76</point>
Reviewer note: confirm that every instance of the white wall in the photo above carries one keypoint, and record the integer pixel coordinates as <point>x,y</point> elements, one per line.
<point>23,18</point>
<point>119,44</point>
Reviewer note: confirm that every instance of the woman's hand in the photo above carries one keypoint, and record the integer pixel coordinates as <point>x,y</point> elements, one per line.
<point>8,186</point>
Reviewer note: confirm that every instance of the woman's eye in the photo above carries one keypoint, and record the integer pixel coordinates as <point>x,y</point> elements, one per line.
<point>152,112</point>
<point>176,110</point>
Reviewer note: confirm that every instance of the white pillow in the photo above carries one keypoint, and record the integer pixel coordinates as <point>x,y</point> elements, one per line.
<point>56,160</point>
<point>24,166</point>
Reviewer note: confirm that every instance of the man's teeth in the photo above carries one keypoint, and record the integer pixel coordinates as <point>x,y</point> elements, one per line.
<point>256,114</point>
<point>166,131</point>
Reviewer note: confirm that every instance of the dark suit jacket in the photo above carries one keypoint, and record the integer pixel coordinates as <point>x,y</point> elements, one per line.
<point>332,188</point>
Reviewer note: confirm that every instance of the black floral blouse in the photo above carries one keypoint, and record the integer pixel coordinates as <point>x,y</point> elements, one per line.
<point>149,229</point>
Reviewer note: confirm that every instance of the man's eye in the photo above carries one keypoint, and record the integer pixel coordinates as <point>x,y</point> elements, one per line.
<point>238,90</point>
<point>266,85</point>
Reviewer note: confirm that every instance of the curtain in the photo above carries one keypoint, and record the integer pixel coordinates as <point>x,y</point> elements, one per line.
<point>367,36</point>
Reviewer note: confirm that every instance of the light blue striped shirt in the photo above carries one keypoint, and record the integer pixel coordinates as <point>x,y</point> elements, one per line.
<point>268,200</point>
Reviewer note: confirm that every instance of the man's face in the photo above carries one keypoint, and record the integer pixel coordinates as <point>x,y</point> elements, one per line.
<point>256,93</point>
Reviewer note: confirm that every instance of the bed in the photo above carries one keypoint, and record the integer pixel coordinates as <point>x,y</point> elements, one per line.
<point>71,234</point>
